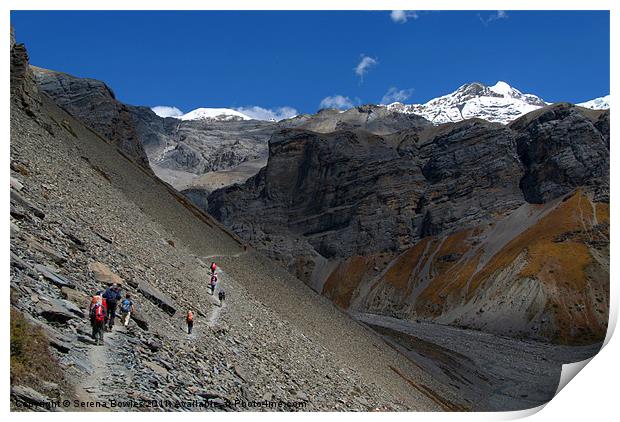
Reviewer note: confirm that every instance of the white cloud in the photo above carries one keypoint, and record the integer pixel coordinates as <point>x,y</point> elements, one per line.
<point>401,16</point>
<point>365,63</point>
<point>336,101</point>
<point>167,111</point>
<point>394,94</point>
<point>500,14</point>
<point>260,113</point>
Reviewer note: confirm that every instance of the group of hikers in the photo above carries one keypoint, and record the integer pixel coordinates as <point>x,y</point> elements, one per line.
<point>189,318</point>
<point>102,310</point>
<point>103,306</point>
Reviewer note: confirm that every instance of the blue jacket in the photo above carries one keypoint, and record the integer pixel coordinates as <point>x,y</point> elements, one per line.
<point>111,296</point>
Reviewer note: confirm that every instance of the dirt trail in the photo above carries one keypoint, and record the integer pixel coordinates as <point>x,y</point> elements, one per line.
<point>235,255</point>
<point>215,315</point>
<point>92,388</point>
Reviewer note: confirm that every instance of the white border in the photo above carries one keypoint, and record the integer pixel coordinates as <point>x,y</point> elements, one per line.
<point>591,396</point>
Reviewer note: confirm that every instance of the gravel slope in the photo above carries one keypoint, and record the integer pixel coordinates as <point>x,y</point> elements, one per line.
<point>275,340</point>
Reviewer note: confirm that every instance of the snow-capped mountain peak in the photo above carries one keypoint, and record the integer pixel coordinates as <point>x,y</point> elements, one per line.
<point>504,89</point>
<point>601,103</point>
<point>219,114</point>
<point>498,103</point>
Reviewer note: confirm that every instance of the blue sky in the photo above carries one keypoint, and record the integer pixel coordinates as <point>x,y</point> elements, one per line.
<point>304,59</point>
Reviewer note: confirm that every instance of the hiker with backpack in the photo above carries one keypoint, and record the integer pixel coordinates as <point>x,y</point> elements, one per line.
<point>213,283</point>
<point>97,321</point>
<point>190,321</point>
<point>97,299</point>
<point>112,295</point>
<point>126,309</point>
<point>213,267</point>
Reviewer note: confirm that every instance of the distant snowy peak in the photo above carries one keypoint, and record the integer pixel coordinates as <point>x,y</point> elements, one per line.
<point>217,114</point>
<point>498,103</point>
<point>601,103</point>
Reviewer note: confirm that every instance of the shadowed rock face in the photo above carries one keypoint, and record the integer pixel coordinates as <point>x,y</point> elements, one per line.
<point>23,86</point>
<point>177,151</point>
<point>352,213</point>
<point>563,147</point>
<point>94,103</point>
<point>351,193</point>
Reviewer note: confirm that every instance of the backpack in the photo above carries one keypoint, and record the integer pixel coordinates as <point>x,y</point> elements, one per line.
<point>190,316</point>
<point>126,305</point>
<point>98,313</point>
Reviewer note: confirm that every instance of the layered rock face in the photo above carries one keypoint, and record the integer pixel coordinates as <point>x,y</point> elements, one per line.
<point>354,192</point>
<point>453,215</point>
<point>563,147</point>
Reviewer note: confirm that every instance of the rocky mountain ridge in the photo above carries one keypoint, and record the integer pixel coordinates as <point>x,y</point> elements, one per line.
<point>338,209</point>
<point>212,148</point>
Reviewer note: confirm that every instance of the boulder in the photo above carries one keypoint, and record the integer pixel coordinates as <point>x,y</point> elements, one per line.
<point>59,342</point>
<point>140,319</point>
<point>103,274</point>
<point>86,339</point>
<point>16,184</point>
<point>74,296</point>
<point>153,344</point>
<point>157,297</point>
<point>17,198</point>
<point>72,307</point>
<point>54,277</point>
<point>62,343</point>
<point>55,311</point>
<point>156,368</point>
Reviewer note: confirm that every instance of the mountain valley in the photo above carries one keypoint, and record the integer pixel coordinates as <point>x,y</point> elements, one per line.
<point>448,256</point>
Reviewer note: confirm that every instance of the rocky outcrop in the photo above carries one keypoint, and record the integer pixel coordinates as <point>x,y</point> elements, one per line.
<point>95,104</point>
<point>157,297</point>
<point>104,275</point>
<point>563,147</point>
<point>23,85</point>
<point>340,209</point>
